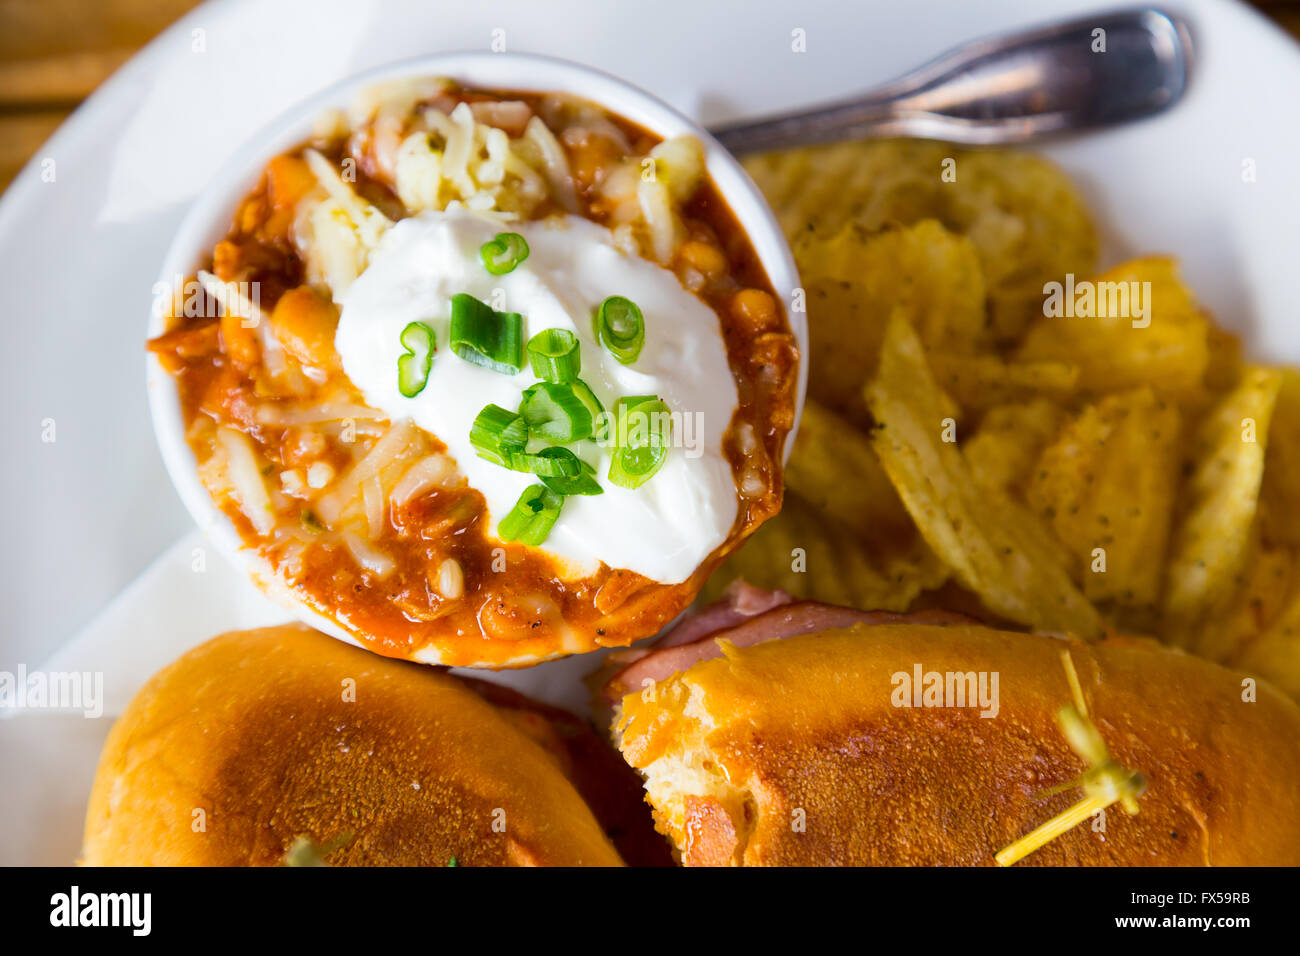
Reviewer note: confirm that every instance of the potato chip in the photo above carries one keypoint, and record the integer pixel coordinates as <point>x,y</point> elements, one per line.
<point>844,341</point>
<point>924,268</point>
<point>1006,446</point>
<point>995,547</point>
<point>815,557</point>
<point>1106,487</point>
<point>1151,333</point>
<point>1275,654</point>
<point>820,188</point>
<point>1280,493</point>
<point>834,467</point>
<point>1024,216</point>
<point>854,280</point>
<point>1268,585</point>
<point>1225,366</point>
<point>1211,542</point>
<point>978,382</point>
<point>1030,226</point>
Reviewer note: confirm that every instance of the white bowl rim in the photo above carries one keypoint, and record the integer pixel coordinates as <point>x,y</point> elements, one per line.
<point>208,217</point>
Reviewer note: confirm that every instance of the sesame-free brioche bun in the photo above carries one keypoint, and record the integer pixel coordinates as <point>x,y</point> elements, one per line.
<point>796,751</point>
<point>259,739</point>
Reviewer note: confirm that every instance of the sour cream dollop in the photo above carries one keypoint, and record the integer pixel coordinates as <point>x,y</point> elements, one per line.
<point>665,528</point>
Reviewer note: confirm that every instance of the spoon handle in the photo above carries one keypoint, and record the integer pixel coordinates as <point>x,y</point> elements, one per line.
<point>1098,71</point>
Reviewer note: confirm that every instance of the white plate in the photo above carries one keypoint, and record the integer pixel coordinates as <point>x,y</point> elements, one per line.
<point>86,514</point>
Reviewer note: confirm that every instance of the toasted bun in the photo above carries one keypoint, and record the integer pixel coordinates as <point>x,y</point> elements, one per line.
<point>258,738</point>
<point>793,752</point>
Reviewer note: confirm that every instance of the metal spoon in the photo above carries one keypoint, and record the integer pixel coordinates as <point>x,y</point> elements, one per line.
<point>1006,89</point>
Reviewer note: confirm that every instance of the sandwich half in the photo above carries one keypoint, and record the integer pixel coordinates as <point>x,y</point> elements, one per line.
<point>804,734</point>
<point>281,745</point>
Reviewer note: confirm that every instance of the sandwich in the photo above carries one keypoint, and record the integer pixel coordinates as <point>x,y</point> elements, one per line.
<point>281,745</point>
<point>793,733</point>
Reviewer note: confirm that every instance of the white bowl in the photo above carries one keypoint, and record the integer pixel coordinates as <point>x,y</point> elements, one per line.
<point>208,220</point>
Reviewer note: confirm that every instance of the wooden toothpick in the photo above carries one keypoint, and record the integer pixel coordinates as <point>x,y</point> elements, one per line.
<point>1104,782</point>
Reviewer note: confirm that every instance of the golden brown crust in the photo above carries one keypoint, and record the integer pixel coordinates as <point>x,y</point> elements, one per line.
<point>257,738</point>
<point>821,768</point>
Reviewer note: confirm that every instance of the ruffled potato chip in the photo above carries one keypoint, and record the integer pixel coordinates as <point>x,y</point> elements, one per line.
<point>1264,632</point>
<point>834,467</point>
<point>1152,332</point>
<point>1280,493</point>
<point>1269,582</point>
<point>816,557</point>
<point>1026,219</point>
<point>978,382</point>
<point>1274,654</point>
<point>994,546</point>
<point>854,279</point>
<point>1008,441</point>
<point>1030,226</point>
<point>925,269</point>
<point>1225,366</point>
<point>1212,538</point>
<point>821,188</point>
<point>1106,488</point>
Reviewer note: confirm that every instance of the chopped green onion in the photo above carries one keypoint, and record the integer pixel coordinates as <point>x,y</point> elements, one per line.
<point>504,253</point>
<point>620,327</point>
<point>486,337</point>
<point>642,433</point>
<point>583,483</point>
<point>497,434</point>
<point>555,355</point>
<point>532,517</point>
<point>414,365</point>
<point>555,414</point>
<point>599,419</point>
<point>547,466</point>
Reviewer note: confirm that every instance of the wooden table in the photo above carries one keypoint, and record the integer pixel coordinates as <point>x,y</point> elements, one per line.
<point>53,53</point>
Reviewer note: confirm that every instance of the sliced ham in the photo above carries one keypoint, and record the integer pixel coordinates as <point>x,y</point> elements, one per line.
<point>742,601</point>
<point>782,621</point>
